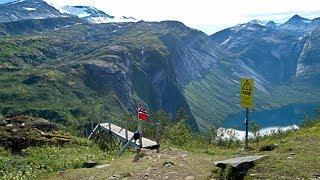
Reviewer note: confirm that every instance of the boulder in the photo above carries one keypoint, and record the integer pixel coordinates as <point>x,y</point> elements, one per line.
<point>89,164</point>
<point>268,147</point>
<point>239,161</point>
<point>236,168</point>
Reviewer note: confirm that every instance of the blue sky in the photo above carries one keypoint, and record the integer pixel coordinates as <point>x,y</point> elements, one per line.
<point>206,15</point>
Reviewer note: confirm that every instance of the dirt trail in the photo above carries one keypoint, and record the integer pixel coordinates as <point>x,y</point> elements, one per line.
<point>170,163</point>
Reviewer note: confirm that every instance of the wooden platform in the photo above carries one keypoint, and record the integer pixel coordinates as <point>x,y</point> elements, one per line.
<point>123,134</point>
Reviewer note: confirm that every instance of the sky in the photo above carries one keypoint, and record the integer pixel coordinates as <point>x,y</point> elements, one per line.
<point>207,15</point>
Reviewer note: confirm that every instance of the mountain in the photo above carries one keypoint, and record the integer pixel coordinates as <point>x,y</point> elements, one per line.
<point>309,59</point>
<point>272,55</point>
<point>93,15</point>
<point>100,66</point>
<point>27,9</point>
<point>297,23</point>
<point>273,51</point>
<point>73,72</point>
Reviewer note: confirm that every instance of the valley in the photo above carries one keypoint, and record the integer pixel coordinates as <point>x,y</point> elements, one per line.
<point>66,69</point>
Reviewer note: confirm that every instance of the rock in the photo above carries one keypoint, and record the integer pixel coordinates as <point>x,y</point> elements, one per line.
<point>23,125</point>
<point>189,178</point>
<point>253,174</point>
<point>142,153</point>
<point>127,174</point>
<point>112,178</point>
<point>236,168</point>
<point>315,175</point>
<point>168,164</point>
<point>103,166</point>
<point>148,171</point>
<point>62,173</point>
<point>89,164</point>
<point>116,175</point>
<point>9,125</point>
<point>238,162</point>
<point>268,147</point>
<point>183,155</point>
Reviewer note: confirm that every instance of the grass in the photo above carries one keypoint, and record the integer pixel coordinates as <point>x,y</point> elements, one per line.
<point>197,161</point>
<point>281,165</point>
<point>36,161</point>
<point>186,155</point>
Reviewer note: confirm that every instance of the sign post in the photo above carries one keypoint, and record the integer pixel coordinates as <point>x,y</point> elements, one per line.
<point>246,102</point>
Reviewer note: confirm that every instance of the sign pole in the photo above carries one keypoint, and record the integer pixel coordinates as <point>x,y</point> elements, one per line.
<point>246,96</point>
<point>247,127</point>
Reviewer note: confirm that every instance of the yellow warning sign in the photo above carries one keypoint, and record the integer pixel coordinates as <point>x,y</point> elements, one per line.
<point>246,93</point>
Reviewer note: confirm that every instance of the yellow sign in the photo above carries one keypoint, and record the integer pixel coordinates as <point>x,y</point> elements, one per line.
<point>246,93</point>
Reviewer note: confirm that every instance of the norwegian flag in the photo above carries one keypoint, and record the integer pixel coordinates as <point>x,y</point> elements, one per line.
<point>143,114</point>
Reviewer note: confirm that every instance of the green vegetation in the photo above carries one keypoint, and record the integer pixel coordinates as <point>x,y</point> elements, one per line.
<point>214,96</point>
<point>37,161</point>
<point>179,146</point>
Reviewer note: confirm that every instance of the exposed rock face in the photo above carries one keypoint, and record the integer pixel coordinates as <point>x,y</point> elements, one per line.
<point>111,74</point>
<point>273,51</point>
<point>27,9</point>
<point>190,55</point>
<point>309,59</point>
<point>20,132</point>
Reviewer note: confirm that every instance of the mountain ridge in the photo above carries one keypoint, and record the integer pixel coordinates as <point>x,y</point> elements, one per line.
<point>100,68</point>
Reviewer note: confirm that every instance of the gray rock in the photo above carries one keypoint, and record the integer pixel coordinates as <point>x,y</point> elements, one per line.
<point>103,166</point>
<point>189,178</point>
<point>268,147</point>
<point>238,162</point>
<point>9,125</point>
<point>168,164</point>
<point>89,164</point>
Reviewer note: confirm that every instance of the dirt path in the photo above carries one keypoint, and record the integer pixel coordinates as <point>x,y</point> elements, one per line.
<point>170,163</point>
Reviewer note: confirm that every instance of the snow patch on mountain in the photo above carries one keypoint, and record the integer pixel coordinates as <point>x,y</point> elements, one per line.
<point>30,9</point>
<point>93,14</point>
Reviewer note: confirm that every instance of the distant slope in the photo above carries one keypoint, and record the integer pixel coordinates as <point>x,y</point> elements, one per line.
<point>27,9</point>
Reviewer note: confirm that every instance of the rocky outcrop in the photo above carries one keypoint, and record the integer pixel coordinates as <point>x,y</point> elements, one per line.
<point>19,132</point>
<point>27,9</point>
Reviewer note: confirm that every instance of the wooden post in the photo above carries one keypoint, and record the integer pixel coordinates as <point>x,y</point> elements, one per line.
<point>139,130</point>
<point>125,147</point>
<point>140,134</point>
<point>247,127</point>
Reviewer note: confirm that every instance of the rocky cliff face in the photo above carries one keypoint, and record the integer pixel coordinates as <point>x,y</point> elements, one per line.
<point>272,51</point>
<point>309,59</point>
<point>27,9</point>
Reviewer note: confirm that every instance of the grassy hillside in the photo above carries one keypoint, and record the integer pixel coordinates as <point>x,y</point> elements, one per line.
<point>296,156</point>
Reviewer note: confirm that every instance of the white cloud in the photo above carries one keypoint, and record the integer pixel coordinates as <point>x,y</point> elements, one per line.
<point>207,15</point>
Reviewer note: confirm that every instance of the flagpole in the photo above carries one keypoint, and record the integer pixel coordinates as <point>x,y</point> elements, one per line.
<point>139,123</point>
<point>139,129</point>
